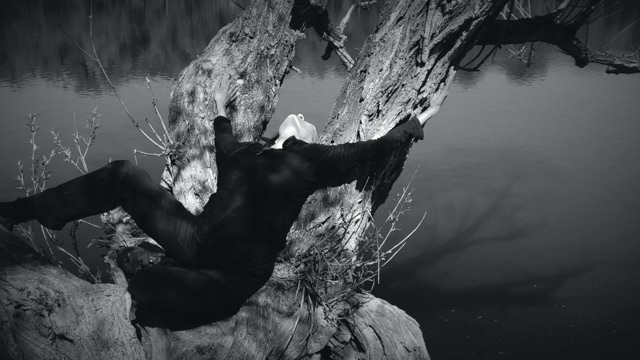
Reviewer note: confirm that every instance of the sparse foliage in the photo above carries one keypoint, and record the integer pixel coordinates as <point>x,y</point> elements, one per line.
<point>39,173</point>
<point>329,273</point>
<point>82,144</point>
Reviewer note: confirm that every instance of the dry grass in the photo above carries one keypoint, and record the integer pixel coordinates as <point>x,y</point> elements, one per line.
<point>331,271</point>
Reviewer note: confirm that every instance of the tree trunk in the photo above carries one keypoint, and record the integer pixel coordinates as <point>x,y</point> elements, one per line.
<point>400,67</point>
<point>407,59</point>
<point>48,313</point>
<point>257,48</point>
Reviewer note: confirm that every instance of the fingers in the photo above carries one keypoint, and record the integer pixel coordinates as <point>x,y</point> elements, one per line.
<point>227,92</point>
<point>439,98</point>
<point>232,94</point>
<point>441,95</point>
<point>444,88</point>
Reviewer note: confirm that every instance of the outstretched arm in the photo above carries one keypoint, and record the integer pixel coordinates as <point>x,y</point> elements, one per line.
<point>339,164</point>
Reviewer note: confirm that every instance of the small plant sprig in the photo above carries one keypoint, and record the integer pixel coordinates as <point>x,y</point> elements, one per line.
<point>40,173</point>
<point>330,272</point>
<point>167,144</point>
<point>82,144</point>
<point>39,163</point>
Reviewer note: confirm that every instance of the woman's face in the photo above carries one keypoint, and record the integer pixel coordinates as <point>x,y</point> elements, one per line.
<point>295,125</point>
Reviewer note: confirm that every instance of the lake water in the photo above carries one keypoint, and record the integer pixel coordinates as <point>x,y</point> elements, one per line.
<point>529,176</point>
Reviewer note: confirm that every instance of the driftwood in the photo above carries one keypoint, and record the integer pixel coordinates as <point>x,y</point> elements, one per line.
<point>48,313</point>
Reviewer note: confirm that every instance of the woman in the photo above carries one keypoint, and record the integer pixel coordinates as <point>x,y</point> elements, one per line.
<point>227,252</point>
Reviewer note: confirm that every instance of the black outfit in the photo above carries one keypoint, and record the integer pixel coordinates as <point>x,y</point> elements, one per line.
<point>227,252</point>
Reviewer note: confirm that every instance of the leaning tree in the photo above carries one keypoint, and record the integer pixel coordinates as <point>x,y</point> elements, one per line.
<point>313,306</point>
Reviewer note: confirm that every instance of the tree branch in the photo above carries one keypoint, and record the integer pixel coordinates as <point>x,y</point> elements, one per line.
<point>335,36</point>
<point>319,20</point>
<point>625,64</point>
<point>553,29</point>
<point>335,42</point>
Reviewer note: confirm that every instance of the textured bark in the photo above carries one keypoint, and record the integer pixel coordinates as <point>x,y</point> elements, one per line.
<point>273,324</point>
<point>48,313</point>
<point>384,331</point>
<point>257,48</point>
<point>406,61</point>
<point>399,68</point>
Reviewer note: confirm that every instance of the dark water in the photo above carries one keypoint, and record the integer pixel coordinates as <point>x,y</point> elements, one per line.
<point>529,176</point>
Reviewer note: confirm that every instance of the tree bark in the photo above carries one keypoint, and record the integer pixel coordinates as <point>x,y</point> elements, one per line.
<point>256,48</point>
<point>402,65</point>
<point>48,313</point>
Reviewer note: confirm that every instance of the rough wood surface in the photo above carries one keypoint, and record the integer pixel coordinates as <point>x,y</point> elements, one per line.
<point>397,71</point>
<point>257,48</point>
<point>48,313</point>
<point>366,329</point>
<point>399,68</point>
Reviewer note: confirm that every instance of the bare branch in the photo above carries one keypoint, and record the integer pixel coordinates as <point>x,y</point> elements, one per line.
<point>334,36</point>
<point>113,88</point>
<point>626,64</point>
<point>162,144</point>
<point>238,4</point>
<point>154,102</point>
<point>559,28</point>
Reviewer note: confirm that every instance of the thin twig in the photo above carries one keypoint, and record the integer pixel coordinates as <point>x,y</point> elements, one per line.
<point>404,241</point>
<point>617,36</point>
<point>154,102</point>
<point>113,88</point>
<point>237,3</point>
<point>152,129</point>
<point>135,151</point>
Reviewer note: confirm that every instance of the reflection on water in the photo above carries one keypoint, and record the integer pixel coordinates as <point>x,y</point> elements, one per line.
<point>531,202</point>
<point>528,175</point>
<point>134,38</point>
